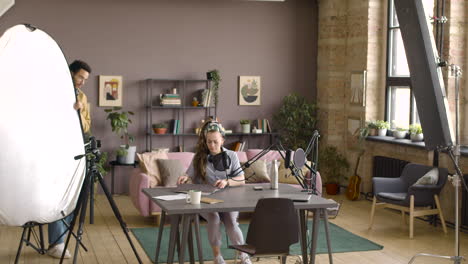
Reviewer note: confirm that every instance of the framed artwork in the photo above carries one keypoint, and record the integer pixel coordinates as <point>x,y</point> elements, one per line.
<point>358,88</point>
<point>110,90</point>
<point>5,5</point>
<point>249,90</point>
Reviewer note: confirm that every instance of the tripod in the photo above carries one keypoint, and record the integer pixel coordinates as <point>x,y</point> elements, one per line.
<point>92,155</point>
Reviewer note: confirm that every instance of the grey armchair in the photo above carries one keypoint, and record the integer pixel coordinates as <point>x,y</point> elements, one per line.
<point>401,194</point>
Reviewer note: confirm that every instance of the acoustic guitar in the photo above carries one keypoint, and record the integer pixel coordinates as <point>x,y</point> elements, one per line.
<point>352,192</point>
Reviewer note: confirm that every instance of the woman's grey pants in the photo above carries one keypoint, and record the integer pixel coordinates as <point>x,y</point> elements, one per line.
<point>231,225</point>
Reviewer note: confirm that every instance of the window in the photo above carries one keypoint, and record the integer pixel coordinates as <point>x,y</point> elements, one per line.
<point>400,103</point>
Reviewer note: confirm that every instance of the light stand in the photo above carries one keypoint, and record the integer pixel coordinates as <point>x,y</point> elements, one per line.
<point>454,153</point>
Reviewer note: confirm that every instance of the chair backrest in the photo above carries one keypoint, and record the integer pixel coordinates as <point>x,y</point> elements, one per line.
<point>412,172</point>
<point>274,226</point>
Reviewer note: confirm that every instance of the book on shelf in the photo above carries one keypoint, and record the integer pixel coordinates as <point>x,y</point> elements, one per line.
<point>236,146</point>
<point>242,146</point>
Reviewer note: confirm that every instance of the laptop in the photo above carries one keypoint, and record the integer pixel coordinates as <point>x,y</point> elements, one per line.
<point>204,188</point>
<point>295,197</point>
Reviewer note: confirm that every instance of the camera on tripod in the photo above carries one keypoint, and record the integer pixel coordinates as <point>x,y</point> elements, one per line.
<point>92,147</point>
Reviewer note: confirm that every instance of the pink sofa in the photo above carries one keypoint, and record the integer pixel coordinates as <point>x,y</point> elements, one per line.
<point>140,180</point>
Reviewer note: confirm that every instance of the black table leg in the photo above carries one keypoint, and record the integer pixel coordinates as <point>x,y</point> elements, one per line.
<point>173,237</point>
<point>315,230</point>
<point>303,235</point>
<point>327,235</point>
<point>197,235</point>
<point>160,233</point>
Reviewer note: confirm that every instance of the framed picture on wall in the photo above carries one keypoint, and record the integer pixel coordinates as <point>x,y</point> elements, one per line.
<point>110,90</point>
<point>249,90</point>
<point>358,88</point>
<point>352,134</point>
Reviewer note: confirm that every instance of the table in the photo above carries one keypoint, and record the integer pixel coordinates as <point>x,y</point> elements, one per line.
<point>116,163</point>
<point>242,199</point>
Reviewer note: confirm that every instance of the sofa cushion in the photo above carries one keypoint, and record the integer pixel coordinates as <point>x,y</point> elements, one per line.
<point>258,172</point>
<point>430,178</point>
<point>149,166</point>
<point>242,156</point>
<point>184,157</point>
<point>271,155</point>
<point>285,175</point>
<point>170,171</point>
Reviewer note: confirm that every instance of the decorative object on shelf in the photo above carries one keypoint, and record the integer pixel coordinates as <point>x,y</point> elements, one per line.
<point>382,127</point>
<point>249,90</point>
<point>416,133</point>
<point>110,90</point>
<point>245,124</point>
<point>400,132</point>
<point>194,101</point>
<point>215,79</point>
<point>332,166</point>
<point>358,88</point>
<point>289,121</point>
<point>119,121</point>
<point>170,99</point>
<point>160,128</point>
<point>371,128</point>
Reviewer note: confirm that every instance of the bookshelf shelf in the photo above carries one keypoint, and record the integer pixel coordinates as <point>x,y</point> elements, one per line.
<point>160,91</point>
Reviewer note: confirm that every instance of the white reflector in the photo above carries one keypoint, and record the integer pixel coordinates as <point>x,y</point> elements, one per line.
<point>40,132</point>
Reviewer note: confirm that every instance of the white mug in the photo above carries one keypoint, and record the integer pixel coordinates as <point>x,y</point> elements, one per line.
<point>193,197</point>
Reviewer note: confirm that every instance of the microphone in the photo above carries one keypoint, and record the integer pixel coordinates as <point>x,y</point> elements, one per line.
<point>221,161</point>
<point>287,160</point>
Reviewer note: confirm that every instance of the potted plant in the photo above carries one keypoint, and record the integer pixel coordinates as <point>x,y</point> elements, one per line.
<point>372,128</point>
<point>160,128</point>
<point>382,127</point>
<point>119,121</point>
<point>416,133</point>
<point>400,132</point>
<point>333,166</point>
<point>245,124</point>
<point>295,121</point>
<point>215,79</point>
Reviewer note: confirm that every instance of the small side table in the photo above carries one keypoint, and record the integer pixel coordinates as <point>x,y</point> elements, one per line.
<point>115,163</point>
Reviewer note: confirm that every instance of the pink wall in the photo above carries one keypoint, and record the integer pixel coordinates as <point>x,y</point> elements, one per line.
<point>143,39</point>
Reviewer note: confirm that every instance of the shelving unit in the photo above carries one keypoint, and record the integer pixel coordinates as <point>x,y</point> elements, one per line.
<point>186,89</point>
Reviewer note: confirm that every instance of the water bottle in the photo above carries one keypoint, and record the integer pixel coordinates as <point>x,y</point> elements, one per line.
<point>274,175</point>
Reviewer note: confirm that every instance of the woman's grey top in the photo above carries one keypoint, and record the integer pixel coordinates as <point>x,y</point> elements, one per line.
<point>212,175</point>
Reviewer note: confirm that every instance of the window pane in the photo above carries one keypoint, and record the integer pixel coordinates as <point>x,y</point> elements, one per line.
<point>393,21</point>
<point>399,105</point>
<point>415,115</point>
<point>397,57</point>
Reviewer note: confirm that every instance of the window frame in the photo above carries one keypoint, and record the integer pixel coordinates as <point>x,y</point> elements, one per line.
<point>392,80</point>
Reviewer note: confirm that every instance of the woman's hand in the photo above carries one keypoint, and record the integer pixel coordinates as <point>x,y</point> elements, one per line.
<point>221,184</point>
<point>182,180</point>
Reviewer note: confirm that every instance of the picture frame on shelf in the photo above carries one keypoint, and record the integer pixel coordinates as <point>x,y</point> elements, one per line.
<point>357,85</point>
<point>110,90</point>
<point>250,90</point>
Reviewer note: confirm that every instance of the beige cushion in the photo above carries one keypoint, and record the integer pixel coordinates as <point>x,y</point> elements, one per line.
<point>258,172</point>
<point>170,171</point>
<point>430,178</point>
<point>149,166</point>
<point>285,175</point>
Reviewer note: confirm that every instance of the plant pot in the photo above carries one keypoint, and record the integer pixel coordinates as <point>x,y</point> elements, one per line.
<point>372,132</point>
<point>160,130</point>
<point>332,188</point>
<point>245,128</point>
<point>399,134</point>
<point>416,137</point>
<point>382,132</point>
<point>209,76</point>
<point>129,158</point>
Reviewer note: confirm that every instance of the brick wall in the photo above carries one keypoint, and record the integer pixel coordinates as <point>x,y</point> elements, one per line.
<point>352,37</point>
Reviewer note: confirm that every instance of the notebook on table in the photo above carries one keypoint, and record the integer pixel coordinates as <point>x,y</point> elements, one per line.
<point>204,188</point>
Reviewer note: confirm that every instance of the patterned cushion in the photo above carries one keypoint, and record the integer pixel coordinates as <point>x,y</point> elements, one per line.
<point>149,166</point>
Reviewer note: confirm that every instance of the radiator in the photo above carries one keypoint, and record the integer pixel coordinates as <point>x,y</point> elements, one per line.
<point>388,167</point>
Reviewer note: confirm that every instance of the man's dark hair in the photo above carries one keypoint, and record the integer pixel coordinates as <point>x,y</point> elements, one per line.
<point>77,65</point>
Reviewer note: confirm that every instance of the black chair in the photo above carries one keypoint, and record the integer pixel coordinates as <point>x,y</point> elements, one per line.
<point>401,194</point>
<point>274,227</point>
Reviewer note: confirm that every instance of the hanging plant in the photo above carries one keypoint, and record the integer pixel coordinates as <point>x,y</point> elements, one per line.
<point>215,79</point>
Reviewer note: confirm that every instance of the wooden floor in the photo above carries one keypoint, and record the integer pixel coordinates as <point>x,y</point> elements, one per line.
<point>107,243</point>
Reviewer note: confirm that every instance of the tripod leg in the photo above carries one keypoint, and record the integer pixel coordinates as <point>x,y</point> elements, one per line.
<point>80,211</point>
<point>117,214</point>
<point>23,237</point>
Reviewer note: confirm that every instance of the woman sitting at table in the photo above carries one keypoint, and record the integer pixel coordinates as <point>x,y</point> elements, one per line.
<point>202,170</point>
